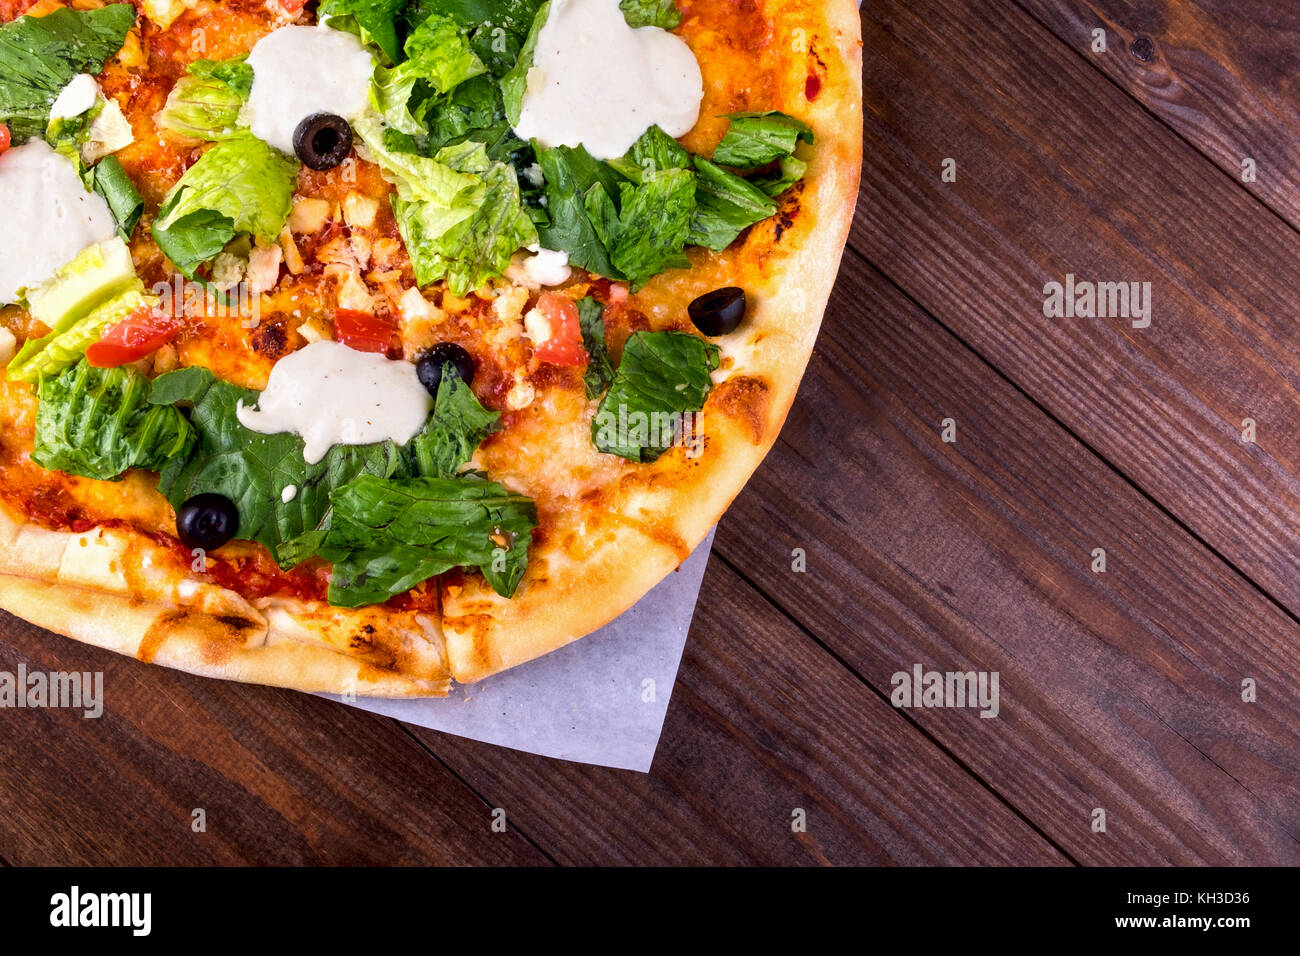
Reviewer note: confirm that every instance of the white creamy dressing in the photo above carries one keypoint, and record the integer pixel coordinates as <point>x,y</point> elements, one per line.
<point>75,98</point>
<point>545,267</point>
<point>298,71</point>
<point>289,493</point>
<point>41,192</point>
<point>329,394</point>
<point>596,81</point>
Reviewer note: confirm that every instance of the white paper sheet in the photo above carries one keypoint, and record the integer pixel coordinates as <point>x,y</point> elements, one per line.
<point>590,701</point>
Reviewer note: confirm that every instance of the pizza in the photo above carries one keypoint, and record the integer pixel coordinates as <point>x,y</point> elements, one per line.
<point>364,346</point>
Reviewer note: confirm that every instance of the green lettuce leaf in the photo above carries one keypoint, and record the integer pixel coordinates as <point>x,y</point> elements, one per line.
<point>98,423</point>
<point>651,13</point>
<point>515,83</point>
<point>648,231</point>
<point>478,248</point>
<point>124,202</point>
<point>756,139</point>
<point>571,173</point>
<point>374,21</point>
<point>454,430</point>
<point>205,104</point>
<point>439,59</point>
<point>789,172</point>
<point>654,151</point>
<point>395,534</point>
<point>39,56</point>
<point>239,186</point>
<point>662,376</point>
<point>725,206</point>
<point>600,372</point>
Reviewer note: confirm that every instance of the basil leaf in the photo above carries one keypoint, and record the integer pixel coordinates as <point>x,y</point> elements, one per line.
<point>651,13</point>
<point>456,427</point>
<point>515,83</point>
<point>124,202</point>
<point>398,533</point>
<point>600,372</point>
<point>98,423</point>
<point>374,21</point>
<point>39,56</point>
<point>662,377</point>
<point>756,139</point>
<point>726,205</point>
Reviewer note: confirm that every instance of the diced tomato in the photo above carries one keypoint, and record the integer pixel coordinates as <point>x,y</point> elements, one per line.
<point>564,347</point>
<point>5,137</point>
<point>362,331</point>
<point>293,6</point>
<point>142,332</point>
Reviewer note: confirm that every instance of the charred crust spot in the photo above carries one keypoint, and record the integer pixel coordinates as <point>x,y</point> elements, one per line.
<point>744,399</point>
<point>270,340</point>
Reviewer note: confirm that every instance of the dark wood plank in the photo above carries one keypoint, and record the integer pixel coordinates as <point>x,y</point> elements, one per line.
<point>1059,173</point>
<point>1220,72</point>
<point>762,721</point>
<point>284,778</point>
<point>1119,690</point>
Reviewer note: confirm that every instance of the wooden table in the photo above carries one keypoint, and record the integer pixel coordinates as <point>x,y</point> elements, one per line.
<point>1120,690</point>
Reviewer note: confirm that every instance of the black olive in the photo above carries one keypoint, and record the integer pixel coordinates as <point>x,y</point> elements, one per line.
<point>207,521</point>
<point>718,312</point>
<point>322,140</point>
<point>430,365</point>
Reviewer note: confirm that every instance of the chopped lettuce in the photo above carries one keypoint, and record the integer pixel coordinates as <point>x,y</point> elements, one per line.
<point>114,185</point>
<point>570,174</point>
<point>600,372</point>
<point>497,28</point>
<point>241,186</point>
<point>647,232</point>
<point>756,139</point>
<point>515,83</point>
<point>205,104</point>
<point>374,21</point>
<point>454,430</point>
<point>388,536</point>
<point>662,377</point>
<point>725,206</point>
<point>651,13</point>
<point>98,423</point>
<point>39,56</point>
<point>96,289</point>
<point>439,59</point>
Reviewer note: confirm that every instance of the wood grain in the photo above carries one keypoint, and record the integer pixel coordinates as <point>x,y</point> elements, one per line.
<point>1120,690</point>
<point>1059,173</point>
<point>1224,74</point>
<point>283,778</point>
<point>762,721</point>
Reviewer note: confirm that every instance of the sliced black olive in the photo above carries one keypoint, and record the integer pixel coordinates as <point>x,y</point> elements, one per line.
<point>207,521</point>
<point>718,312</point>
<point>322,140</point>
<point>430,365</point>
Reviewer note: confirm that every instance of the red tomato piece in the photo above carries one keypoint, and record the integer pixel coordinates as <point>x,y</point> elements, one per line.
<point>362,331</point>
<point>293,6</point>
<point>564,347</point>
<point>142,332</point>
<point>5,137</point>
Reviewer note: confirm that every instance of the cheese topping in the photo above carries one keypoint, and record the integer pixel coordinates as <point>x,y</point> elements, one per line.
<point>75,98</point>
<point>329,394</point>
<point>598,82</point>
<point>545,267</point>
<point>299,71</point>
<point>55,218</point>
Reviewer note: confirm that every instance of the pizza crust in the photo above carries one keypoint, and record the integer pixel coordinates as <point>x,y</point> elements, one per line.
<point>119,590</point>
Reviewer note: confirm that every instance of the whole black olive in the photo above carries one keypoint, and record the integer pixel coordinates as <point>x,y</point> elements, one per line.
<point>718,312</point>
<point>207,521</point>
<point>430,365</point>
<point>322,140</point>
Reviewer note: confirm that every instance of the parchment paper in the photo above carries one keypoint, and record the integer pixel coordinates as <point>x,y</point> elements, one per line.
<point>591,701</point>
